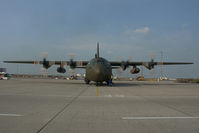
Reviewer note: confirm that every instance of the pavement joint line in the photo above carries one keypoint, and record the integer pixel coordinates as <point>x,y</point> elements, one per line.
<point>11,115</point>
<point>58,113</point>
<point>156,118</point>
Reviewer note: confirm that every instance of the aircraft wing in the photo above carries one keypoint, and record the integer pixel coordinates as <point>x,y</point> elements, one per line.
<point>24,62</point>
<point>46,64</point>
<point>150,65</point>
<point>115,64</point>
<point>173,63</point>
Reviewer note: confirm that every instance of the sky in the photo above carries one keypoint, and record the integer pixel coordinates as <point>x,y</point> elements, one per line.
<point>137,30</point>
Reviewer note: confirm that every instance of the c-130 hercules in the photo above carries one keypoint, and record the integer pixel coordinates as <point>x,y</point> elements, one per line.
<point>98,69</point>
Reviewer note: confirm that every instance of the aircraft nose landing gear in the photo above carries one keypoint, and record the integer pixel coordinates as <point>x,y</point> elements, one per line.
<point>87,81</point>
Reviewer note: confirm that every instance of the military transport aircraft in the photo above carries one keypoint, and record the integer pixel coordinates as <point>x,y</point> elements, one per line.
<point>98,69</point>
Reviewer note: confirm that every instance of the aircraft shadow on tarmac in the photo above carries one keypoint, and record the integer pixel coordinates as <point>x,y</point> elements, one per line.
<point>123,84</point>
<point>62,82</point>
<point>134,84</point>
<point>142,84</point>
<point>115,84</point>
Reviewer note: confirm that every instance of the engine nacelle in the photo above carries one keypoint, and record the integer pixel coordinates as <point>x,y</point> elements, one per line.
<point>72,64</point>
<point>61,70</point>
<point>46,64</point>
<point>124,65</point>
<point>135,70</point>
<point>149,65</point>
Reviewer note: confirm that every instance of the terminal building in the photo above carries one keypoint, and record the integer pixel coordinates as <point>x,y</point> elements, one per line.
<point>3,70</point>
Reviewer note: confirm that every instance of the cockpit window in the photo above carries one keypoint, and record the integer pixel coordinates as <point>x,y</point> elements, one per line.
<point>99,61</point>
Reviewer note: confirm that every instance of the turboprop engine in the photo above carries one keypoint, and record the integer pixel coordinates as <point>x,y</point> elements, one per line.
<point>135,70</point>
<point>61,70</point>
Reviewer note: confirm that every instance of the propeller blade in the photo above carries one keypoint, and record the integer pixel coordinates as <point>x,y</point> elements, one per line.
<point>71,55</point>
<point>36,62</point>
<point>44,55</point>
<point>152,55</point>
<point>63,63</point>
<point>80,63</point>
<point>131,58</point>
<point>43,71</point>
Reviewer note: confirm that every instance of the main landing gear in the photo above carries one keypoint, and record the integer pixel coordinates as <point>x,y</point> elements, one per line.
<point>99,83</point>
<point>109,82</point>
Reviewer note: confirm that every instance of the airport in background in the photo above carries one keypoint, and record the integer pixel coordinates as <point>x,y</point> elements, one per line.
<point>3,74</point>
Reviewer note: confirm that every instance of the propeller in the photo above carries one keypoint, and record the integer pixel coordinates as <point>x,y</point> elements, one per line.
<point>152,55</point>
<point>72,63</point>
<point>131,58</point>
<point>36,62</point>
<point>118,70</point>
<point>152,64</point>
<point>71,55</point>
<point>134,69</point>
<point>44,55</point>
<point>125,64</point>
<point>43,71</point>
<point>46,64</point>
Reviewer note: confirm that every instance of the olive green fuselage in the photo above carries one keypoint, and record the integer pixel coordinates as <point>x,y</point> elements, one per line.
<point>98,70</point>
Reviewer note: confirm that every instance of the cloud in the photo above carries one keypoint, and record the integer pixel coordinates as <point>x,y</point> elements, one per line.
<point>143,30</point>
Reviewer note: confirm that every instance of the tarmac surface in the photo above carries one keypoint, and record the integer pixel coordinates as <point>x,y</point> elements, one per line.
<point>61,106</point>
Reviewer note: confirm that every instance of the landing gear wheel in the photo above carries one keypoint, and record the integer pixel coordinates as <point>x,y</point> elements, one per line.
<point>87,81</point>
<point>99,83</point>
<point>107,82</point>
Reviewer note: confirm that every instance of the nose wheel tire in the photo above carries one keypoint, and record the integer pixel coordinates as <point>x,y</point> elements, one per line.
<point>87,81</point>
<point>99,83</point>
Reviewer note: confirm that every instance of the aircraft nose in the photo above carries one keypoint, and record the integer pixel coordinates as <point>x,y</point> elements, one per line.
<point>98,71</point>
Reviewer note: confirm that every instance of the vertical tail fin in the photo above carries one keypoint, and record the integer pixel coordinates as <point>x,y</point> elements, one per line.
<point>97,54</point>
